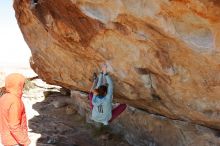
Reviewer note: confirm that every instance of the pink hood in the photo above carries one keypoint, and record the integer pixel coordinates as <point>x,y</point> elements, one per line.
<point>14,84</point>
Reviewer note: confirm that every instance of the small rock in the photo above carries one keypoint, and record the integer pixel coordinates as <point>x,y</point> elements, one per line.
<point>65,91</point>
<point>70,110</point>
<point>59,104</point>
<point>105,136</point>
<point>47,93</point>
<point>52,140</point>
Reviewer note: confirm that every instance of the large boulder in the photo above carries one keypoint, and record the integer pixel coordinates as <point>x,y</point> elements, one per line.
<point>163,55</point>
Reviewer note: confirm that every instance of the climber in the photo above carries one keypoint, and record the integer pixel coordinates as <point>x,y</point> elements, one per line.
<point>101,99</point>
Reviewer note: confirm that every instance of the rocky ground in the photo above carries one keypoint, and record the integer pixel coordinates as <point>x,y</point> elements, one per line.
<point>52,123</point>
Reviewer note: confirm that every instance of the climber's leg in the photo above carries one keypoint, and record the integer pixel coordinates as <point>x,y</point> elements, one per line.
<point>117,111</point>
<point>90,100</point>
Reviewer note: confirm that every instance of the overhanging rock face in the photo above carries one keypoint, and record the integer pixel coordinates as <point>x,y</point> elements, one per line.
<point>163,55</point>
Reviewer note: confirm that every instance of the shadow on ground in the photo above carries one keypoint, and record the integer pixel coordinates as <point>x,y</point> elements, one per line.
<point>63,126</point>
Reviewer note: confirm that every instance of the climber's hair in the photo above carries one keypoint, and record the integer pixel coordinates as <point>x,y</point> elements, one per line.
<point>101,91</point>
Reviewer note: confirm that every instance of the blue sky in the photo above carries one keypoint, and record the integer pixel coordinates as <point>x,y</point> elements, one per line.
<point>14,50</point>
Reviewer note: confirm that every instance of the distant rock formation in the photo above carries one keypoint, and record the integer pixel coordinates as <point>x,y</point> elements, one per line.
<point>164,55</point>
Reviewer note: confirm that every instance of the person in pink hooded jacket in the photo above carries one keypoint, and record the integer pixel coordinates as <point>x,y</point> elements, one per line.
<point>13,122</point>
